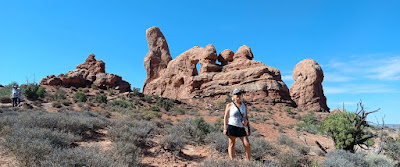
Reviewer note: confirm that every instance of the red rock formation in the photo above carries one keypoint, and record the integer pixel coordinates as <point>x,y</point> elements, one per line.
<point>307,90</point>
<point>86,74</point>
<point>180,79</point>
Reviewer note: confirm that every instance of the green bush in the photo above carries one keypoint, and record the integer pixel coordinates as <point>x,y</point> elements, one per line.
<point>121,103</point>
<point>340,126</point>
<point>80,97</point>
<point>148,98</point>
<point>33,91</point>
<point>101,98</point>
<point>136,91</point>
<point>150,115</point>
<point>59,95</point>
<point>165,103</point>
<point>93,86</point>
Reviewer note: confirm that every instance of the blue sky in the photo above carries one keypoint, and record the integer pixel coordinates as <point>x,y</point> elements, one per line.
<point>355,42</point>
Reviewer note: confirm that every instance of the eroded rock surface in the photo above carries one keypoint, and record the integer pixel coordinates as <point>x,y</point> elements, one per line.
<point>180,79</point>
<point>307,89</point>
<point>92,71</point>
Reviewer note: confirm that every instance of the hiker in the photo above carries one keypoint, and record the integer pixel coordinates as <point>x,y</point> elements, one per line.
<point>19,92</point>
<point>14,96</point>
<point>235,124</point>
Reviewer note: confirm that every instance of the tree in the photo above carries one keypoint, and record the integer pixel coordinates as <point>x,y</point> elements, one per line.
<point>348,129</point>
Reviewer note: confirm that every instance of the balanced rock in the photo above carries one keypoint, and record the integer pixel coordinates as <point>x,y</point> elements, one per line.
<point>306,90</point>
<point>158,56</point>
<point>86,74</point>
<point>181,80</point>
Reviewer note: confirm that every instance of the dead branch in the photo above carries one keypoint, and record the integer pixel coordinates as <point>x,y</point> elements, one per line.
<point>320,146</point>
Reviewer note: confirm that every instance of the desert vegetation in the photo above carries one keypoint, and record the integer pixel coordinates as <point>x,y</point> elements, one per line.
<point>140,127</point>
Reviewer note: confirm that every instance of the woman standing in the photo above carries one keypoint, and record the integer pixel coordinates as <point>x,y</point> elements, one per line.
<point>235,121</point>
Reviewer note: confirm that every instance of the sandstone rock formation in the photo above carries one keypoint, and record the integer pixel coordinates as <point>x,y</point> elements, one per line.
<point>180,79</point>
<point>92,71</point>
<point>307,90</point>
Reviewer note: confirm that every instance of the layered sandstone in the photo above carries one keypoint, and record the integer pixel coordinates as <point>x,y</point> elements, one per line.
<point>180,79</point>
<point>90,72</point>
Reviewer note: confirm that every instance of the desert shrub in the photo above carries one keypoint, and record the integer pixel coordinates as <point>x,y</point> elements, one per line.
<point>56,104</point>
<point>173,142</point>
<point>341,126</point>
<point>165,103</point>
<point>5,91</point>
<point>379,160</point>
<point>93,86</point>
<point>121,103</point>
<point>136,91</point>
<point>80,97</point>
<point>193,130</point>
<point>33,145</point>
<point>154,108</point>
<point>309,124</point>
<point>55,138</point>
<point>289,159</point>
<point>392,148</point>
<point>126,153</point>
<point>283,139</point>
<point>29,152</point>
<point>342,158</point>
<point>218,141</point>
<point>176,111</point>
<point>79,123</point>
<point>130,131</point>
<point>228,163</point>
<point>33,91</point>
<point>221,105</point>
<point>148,98</point>
<point>80,156</point>
<point>194,112</point>
<point>59,95</point>
<point>5,99</point>
<point>228,98</point>
<point>101,98</point>
<point>66,102</point>
<point>260,148</point>
<point>150,115</point>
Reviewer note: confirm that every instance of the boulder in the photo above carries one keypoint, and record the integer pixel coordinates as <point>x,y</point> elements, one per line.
<point>306,91</point>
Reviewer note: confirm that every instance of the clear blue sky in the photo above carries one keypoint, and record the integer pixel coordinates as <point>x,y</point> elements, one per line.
<point>357,43</point>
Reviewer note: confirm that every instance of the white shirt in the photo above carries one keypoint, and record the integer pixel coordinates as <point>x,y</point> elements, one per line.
<point>235,119</point>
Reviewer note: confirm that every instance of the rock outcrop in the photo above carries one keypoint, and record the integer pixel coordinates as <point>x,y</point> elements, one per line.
<point>307,90</point>
<point>180,79</point>
<point>92,71</point>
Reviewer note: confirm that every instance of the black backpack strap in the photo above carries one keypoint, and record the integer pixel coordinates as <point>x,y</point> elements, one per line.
<point>238,109</point>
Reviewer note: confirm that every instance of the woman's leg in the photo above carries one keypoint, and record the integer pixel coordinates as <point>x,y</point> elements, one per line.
<point>231,147</point>
<point>246,145</point>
